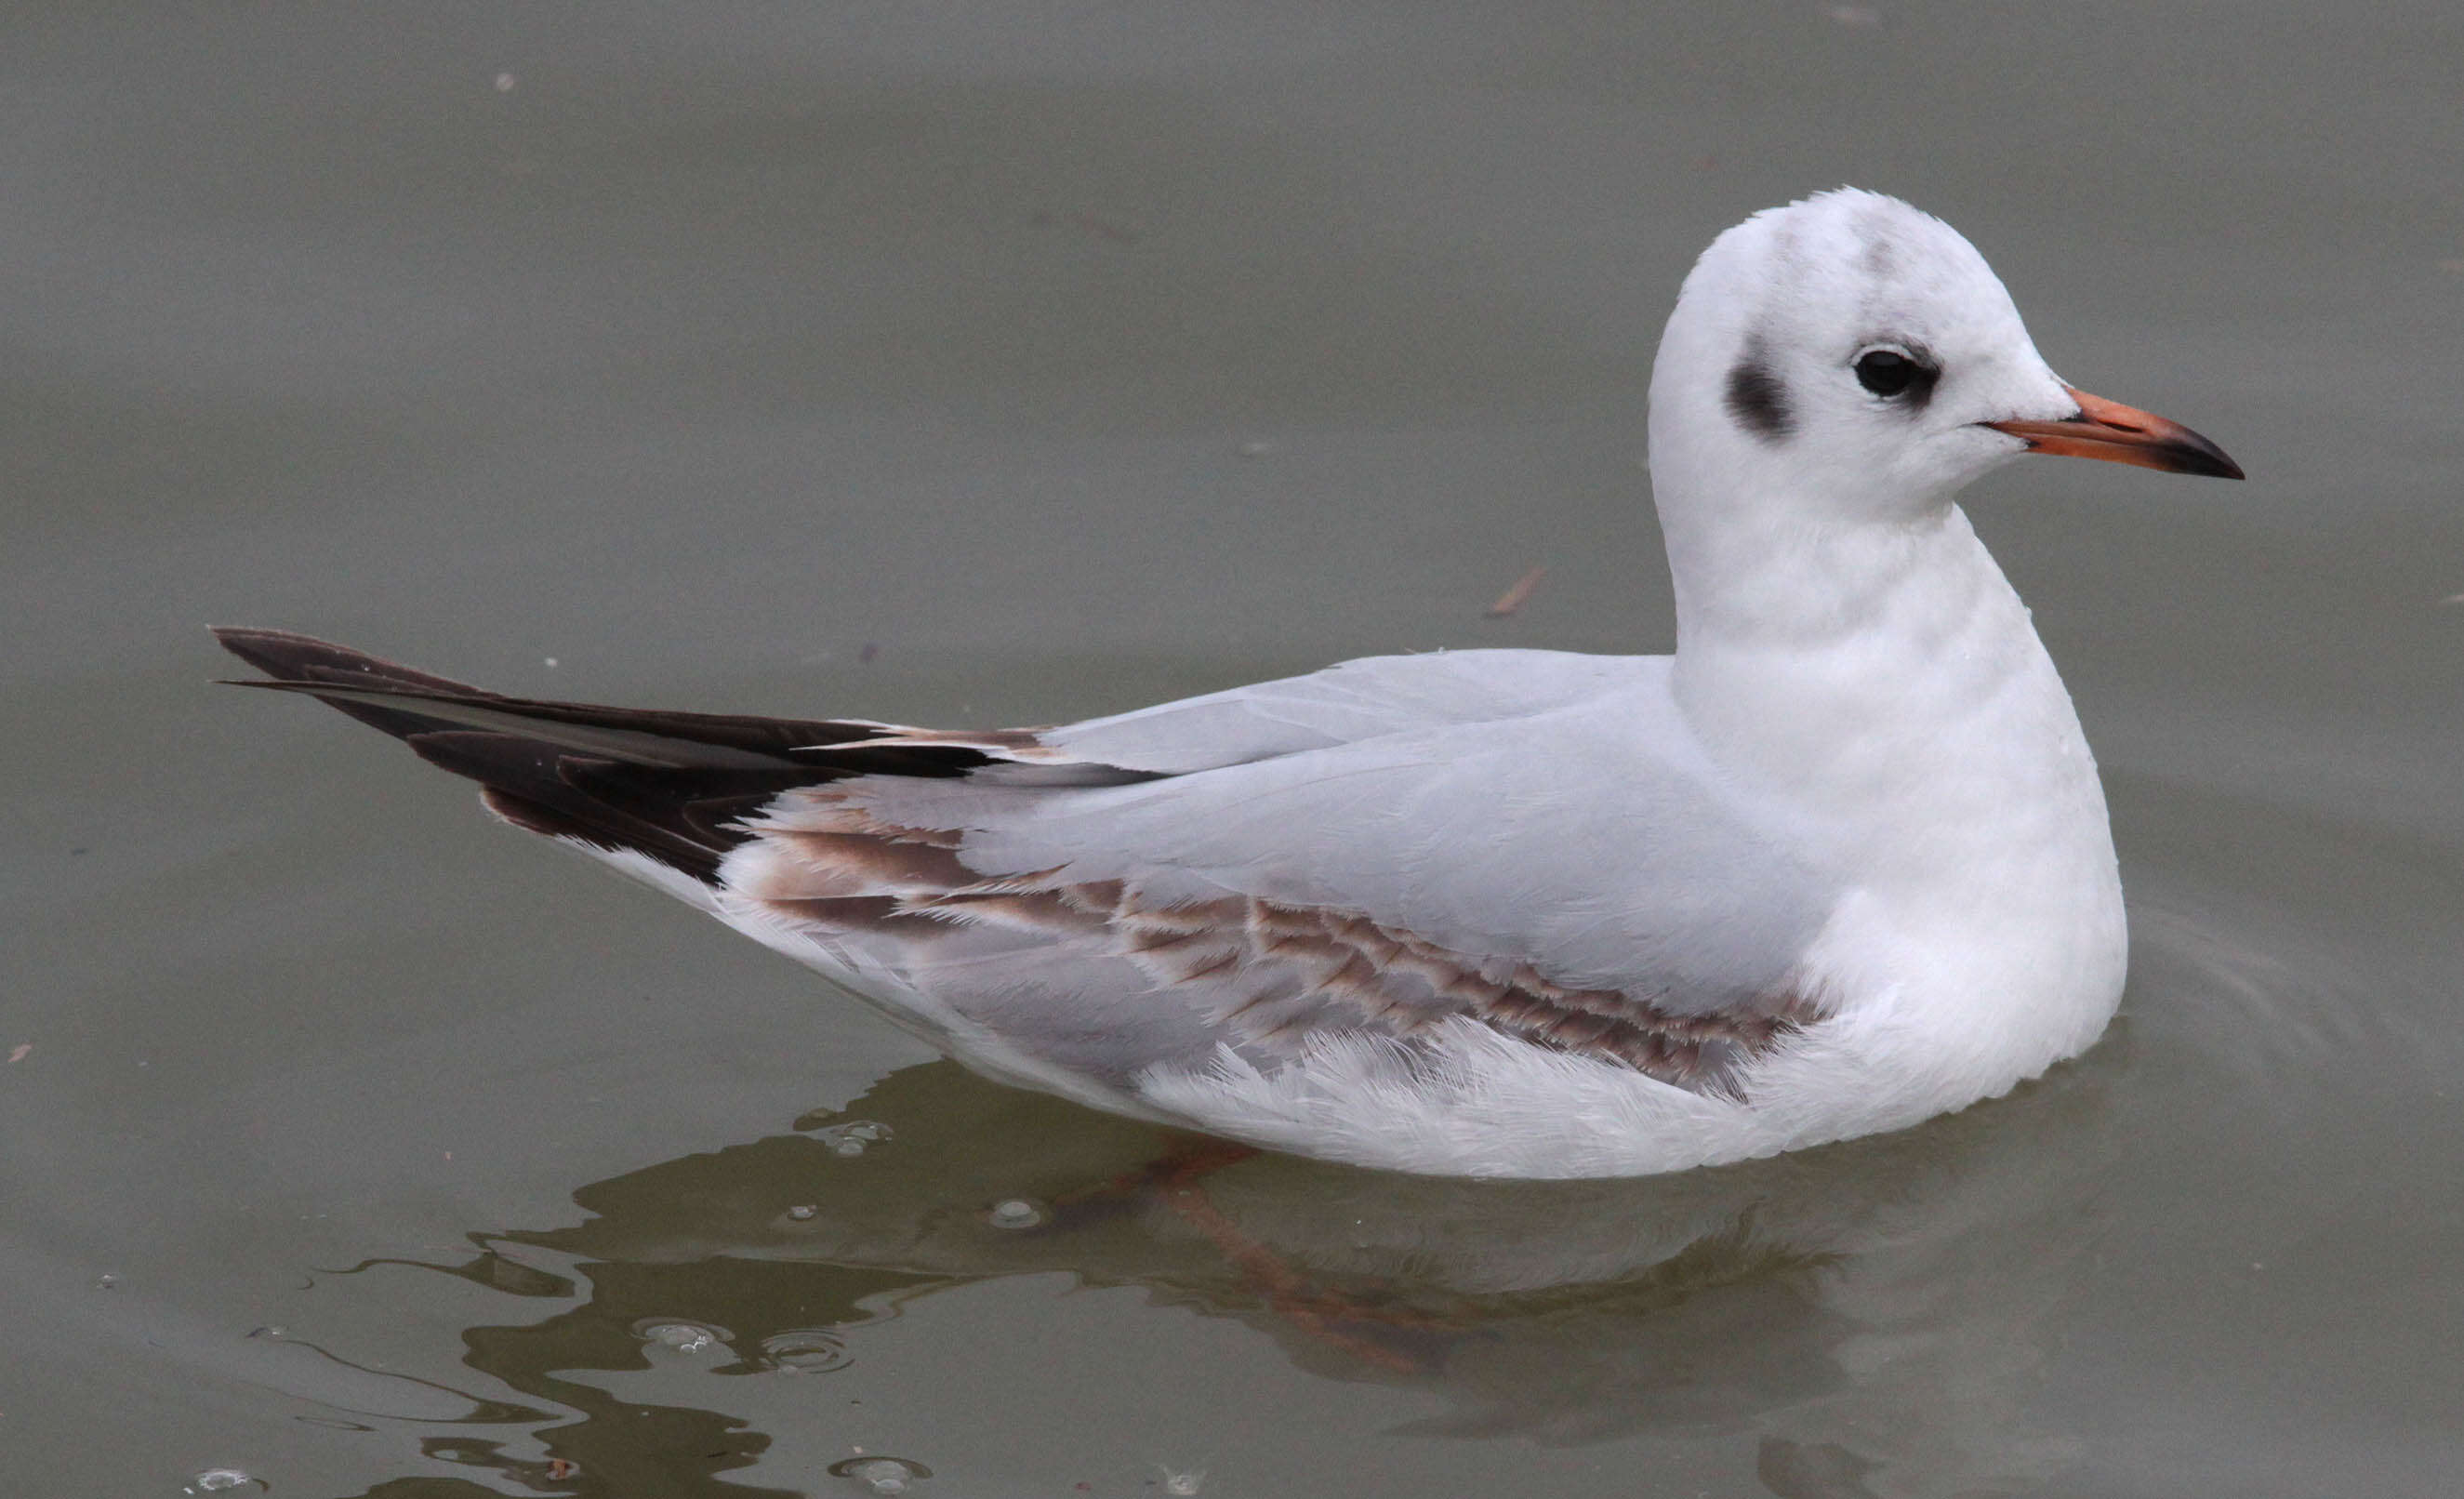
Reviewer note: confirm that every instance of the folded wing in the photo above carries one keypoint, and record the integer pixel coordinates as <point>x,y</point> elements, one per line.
<point>1522,841</point>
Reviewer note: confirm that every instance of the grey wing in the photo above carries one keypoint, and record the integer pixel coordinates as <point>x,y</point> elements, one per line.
<point>1524,839</point>
<point>1347,704</point>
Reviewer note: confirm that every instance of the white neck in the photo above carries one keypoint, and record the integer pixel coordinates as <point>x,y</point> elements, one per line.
<point>1885,682</point>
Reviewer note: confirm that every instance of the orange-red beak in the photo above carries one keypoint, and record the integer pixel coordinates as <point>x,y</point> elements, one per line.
<point>2121,433</point>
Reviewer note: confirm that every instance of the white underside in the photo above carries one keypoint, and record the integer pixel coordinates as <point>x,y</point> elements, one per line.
<point>1499,1106</point>
<point>1491,1105</point>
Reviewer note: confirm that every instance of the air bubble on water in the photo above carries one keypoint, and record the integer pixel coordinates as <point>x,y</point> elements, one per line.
<point>852,1136</point>
<point>1181,1485</point>
<point>1018,1212</point>
<point>882,1475</point>
<point>221,1479</point>
<point>685,1338</point>
<point>810,1350</point>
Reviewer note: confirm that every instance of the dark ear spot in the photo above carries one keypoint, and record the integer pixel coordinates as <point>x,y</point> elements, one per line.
<point>1756,398</point>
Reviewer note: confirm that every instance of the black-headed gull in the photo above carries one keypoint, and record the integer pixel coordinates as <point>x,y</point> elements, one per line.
<point>1840,864</point>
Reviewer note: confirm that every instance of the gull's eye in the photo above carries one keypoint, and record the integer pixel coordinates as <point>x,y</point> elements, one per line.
<point>1888,372</point>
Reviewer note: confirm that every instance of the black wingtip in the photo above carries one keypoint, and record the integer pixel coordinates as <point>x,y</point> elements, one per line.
<point>668,784</point>
<point>287,655</point>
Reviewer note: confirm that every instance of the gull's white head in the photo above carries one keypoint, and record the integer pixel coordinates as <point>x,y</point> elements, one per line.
<point>1850,359</point>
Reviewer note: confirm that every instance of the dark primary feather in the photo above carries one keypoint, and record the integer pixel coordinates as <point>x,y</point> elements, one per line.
<point>666,784</point>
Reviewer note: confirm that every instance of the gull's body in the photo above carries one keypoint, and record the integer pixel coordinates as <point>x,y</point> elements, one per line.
<point>1840,864</point>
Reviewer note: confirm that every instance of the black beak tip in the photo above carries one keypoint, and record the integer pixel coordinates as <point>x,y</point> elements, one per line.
<point>2206,459</point>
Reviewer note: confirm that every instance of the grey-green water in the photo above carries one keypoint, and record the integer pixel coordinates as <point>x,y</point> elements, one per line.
<point>982,365</point>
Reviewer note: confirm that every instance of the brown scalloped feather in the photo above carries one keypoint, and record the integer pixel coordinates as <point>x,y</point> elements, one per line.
<point>1270,972</point>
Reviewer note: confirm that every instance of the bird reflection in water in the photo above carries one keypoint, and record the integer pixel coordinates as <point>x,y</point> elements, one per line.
<point>1866,1312</point>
